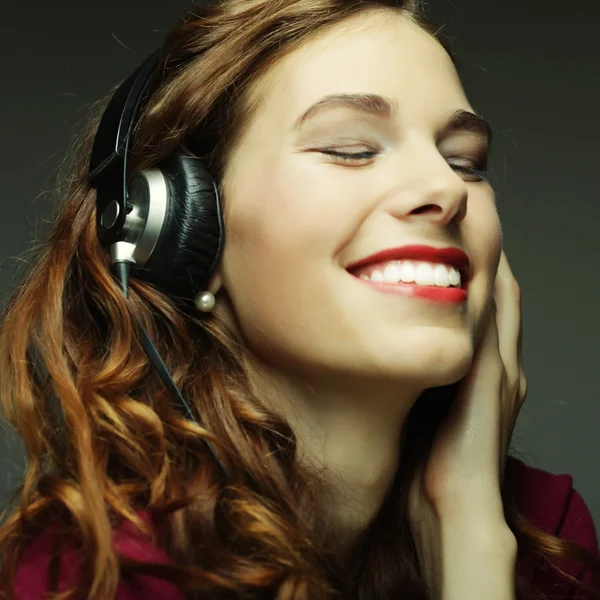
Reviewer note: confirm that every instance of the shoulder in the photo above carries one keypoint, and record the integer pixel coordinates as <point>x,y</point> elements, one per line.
<point>32,576</point>
<point>551,503</point>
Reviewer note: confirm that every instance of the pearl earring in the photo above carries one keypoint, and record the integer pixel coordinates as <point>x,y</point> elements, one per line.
<point>204,301</point>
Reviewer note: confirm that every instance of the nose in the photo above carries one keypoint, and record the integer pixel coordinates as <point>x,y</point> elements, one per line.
<point>430,188</point>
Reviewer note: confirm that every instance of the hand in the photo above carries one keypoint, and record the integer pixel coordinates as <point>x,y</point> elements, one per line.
<point>461,480</point>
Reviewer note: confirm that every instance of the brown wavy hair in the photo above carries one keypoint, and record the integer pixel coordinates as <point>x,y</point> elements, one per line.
<point>103,440</point>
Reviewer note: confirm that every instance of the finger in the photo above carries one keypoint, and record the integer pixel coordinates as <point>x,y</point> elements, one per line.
<point>476,411</point>
<point>507,295</point>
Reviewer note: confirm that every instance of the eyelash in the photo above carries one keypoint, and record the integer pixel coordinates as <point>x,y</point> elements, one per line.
<point>480,172</point>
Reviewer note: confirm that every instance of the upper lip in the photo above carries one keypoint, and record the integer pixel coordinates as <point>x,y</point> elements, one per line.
<point>452,256</point>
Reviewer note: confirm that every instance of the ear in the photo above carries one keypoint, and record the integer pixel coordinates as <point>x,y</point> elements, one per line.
<point>215,283</point>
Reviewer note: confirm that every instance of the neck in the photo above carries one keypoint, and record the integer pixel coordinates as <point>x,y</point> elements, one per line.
<point>350,433</point>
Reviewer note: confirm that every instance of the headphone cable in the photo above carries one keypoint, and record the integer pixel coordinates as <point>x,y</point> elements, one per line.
<point>121,271</point>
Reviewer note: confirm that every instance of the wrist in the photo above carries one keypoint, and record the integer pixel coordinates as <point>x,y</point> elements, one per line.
<point>482,534</point>
<point>478,507</point>
<point>477,562</point>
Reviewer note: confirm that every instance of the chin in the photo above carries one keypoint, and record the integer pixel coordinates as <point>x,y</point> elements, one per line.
<point>451,374</point>
<point>437,361</point>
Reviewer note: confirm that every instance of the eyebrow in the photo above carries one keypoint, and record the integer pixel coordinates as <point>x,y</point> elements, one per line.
<point>380,106</point>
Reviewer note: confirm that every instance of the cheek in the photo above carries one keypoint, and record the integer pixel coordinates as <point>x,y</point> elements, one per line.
<point>272,225</point>
<point>281,238</point>
<point>482,231</point>
<point>288,213</point>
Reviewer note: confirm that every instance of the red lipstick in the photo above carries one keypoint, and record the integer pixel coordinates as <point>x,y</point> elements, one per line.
<point>449,256</point>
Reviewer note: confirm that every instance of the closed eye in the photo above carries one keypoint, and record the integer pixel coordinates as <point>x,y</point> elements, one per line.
<point>480,172</point>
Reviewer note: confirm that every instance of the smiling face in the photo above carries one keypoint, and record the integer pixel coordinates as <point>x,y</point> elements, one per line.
<point>297,215</point>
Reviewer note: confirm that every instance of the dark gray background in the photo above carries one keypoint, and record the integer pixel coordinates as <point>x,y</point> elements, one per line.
<point>531,67</point>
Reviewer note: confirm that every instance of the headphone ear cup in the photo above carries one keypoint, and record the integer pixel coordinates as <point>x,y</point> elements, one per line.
<point>191,240</point>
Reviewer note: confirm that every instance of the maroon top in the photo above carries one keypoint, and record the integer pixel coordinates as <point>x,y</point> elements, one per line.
<point>548,501</point>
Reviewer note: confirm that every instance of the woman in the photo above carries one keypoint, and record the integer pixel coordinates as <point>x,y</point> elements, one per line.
<point>351,397</point>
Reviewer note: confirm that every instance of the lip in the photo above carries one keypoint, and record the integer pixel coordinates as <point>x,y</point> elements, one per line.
<point>450,295</point>
<point>448,255</point>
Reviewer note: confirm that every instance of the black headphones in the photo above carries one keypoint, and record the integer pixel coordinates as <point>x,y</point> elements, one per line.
<point>166,225</point>
<point>169,216</point>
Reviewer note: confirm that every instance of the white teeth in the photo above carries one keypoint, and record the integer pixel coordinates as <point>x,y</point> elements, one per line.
<point>420,273</point>
<point>454,277</point>
<point>424,274</point>
<point>392,273</point>
<point>442,275</point>
<point>407,272</point>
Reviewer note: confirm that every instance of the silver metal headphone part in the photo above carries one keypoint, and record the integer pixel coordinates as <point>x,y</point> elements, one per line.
<point>146,219</point>
<point>110,215</point>
<point>122,252</point>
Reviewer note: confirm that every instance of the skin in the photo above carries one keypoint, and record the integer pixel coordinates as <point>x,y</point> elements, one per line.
<point>343,362</point>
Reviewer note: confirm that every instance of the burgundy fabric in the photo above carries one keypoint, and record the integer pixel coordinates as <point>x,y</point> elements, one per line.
<point>548,501</point>
<point>31,582</point>
<point>552,504</point>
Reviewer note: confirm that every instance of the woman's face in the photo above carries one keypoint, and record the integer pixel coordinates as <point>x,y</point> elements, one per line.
<point>296,217</point>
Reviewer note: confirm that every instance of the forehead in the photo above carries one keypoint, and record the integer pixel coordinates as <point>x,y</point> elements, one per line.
<point>381,52</point>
